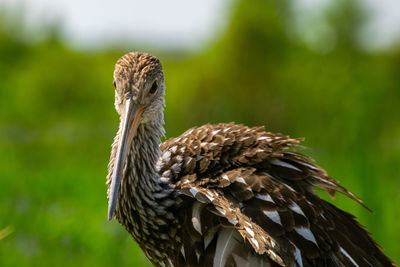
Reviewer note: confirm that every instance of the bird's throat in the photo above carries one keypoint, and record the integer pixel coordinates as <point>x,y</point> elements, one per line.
<point>140,183</point>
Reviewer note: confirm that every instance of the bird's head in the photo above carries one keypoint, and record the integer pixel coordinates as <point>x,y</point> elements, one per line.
<point>139,99</point>
<point>139,82</point>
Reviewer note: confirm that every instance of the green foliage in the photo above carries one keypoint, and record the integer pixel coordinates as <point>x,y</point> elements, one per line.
<point>57,122</point>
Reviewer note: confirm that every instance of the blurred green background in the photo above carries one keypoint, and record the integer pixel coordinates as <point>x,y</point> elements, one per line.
<point>57,122</point>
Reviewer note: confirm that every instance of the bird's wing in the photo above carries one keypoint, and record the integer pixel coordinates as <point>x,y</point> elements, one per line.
<point>210,150</point>
<point>241,182</point>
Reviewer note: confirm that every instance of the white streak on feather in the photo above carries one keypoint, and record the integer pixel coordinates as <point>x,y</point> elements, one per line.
<point>196,216</point>
<point>164,180</point>
<point>324,181</point>
<point>308,165</point>
<point>209,196</point>
<point>290,188</point>
<point>255,243</point>
<point>297,256</point>
<point>221,210</point>
<point>272,242</point>
<point>227,129</point>
<point>233,221</point>
<point>344,252</point>
<point>225,244</point>
<point>306,234</point>
<point>240,180</point>
<point>189,132</point>
<point>265,197</point>
<point>183,252</point>
<point>176,167</point>
<point>213,145</point>
<point>296,208</point>
<point>167,173</point>
<point>159,165</point>
<point>248,230</point>
<point>244,138</point>
<point>188,160</point>
<point>158,254</point>
<point>193,191</point>
<point>273,215</point>
<point>266,138</point>
<point>272,253</point>
<point>178,158</point>
<point>280,163</point>
<point>196,225</point>
<point>166,157</point>
<point>197,255</point>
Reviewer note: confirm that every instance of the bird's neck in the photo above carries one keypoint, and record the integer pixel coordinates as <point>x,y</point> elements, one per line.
<point>140,171</point>
<point>141,190</point>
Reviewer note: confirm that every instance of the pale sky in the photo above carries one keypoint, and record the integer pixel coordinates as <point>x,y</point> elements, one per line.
<point>172,24</point>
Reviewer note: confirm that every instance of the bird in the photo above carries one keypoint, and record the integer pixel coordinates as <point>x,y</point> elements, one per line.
<point>221,194</point>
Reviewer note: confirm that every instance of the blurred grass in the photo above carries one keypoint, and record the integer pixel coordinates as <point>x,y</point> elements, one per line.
<point>6,231</point>
<point>57,122</point>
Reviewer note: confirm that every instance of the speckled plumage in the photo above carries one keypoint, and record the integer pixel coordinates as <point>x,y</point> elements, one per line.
<point>225,194</point>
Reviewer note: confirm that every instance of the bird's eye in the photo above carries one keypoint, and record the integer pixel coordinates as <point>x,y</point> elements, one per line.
<point>153,88</point>
<point>115,84</point>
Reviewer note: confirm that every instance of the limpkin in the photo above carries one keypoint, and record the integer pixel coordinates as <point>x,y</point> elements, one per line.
<point>223,194</point>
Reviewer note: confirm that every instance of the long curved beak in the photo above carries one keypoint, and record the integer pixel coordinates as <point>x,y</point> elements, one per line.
<point>130,122</point>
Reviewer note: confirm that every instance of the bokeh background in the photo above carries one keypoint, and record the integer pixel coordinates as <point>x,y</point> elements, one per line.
<point>325,70</point>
